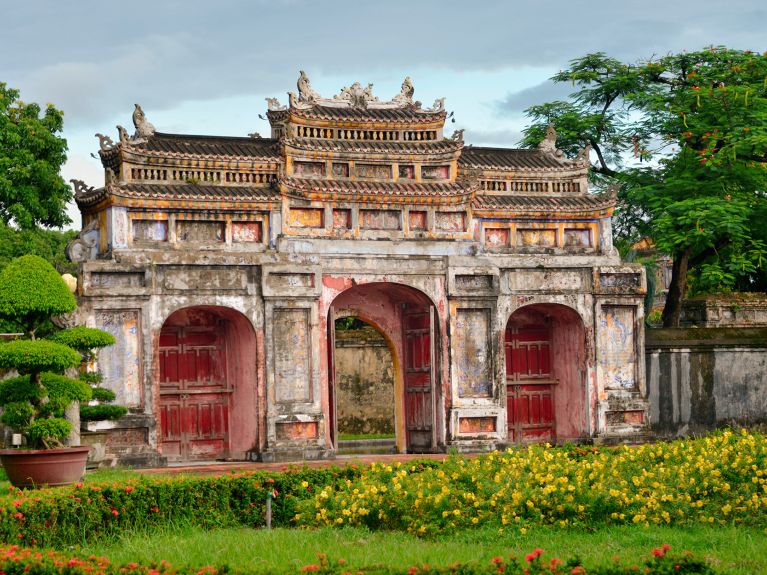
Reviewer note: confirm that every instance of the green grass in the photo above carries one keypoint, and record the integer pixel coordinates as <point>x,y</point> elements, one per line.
<point>357,436</point>
<point>737,550</point>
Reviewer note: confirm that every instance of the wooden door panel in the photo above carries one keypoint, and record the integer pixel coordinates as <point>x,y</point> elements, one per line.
<point>194,397</point>
<point>418,328</point>
<point>530,387</point>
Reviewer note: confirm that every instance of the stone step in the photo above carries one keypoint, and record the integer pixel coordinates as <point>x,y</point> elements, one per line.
<point>363,446</point>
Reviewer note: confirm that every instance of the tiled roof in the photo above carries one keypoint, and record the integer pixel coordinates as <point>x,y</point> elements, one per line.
<point>407,114</point>
<point>501,158</point>
<point>570,204</point>
<point>369,191</point>
<point>187,145</point>
<point>376,147</point>
<point>180,192</point>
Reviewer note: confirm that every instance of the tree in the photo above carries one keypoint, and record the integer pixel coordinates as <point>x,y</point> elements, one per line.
<point>685,139</point>
<point>32,152</point>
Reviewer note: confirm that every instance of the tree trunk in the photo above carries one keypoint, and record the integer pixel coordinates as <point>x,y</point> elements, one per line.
<point>676,289</point>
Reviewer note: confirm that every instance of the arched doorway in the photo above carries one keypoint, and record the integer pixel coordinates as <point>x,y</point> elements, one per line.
<point>407,319</point>
<point>207,390</point>
<point>545,374</point>
<point>364,388</point>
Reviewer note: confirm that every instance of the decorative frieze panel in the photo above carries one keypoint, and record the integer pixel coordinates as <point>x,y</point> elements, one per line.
<point>373,171</point>
<point>120,363</point>
<point>380,219</point>
<point>292,355</point>
<point>342,219</point>
<point>417,220</point>
<point>150,230</point>
<point>295,430</point>
<point>450,221</point>
<point>290,281</point>
<point>472,350</point>
<point>246,232</point>
<point>562,280</point>
<point>435,172</point>
<point>577,238</point>
<point>306,218</point>
<point>620,281</point>
<point>477,425</point>
<point>546,238</point>
<point>309,169</point>
<point>200,231</point>
<point>101,280</point>
<point>497,237</point>
<point>209,278</point>
<point>616,343</point>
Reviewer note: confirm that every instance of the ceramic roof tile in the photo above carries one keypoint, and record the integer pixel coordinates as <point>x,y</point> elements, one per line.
<point>344,113</point>
<point>572,203</point>
<point>210,145</point>
<point>358,187</point>
<point>479,157</point>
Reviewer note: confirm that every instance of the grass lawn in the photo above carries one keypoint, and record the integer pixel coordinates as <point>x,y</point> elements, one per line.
<point>738,550</point>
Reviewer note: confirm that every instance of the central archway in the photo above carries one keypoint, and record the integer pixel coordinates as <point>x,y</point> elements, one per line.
<point>407,320</point>
<point>207,389</point>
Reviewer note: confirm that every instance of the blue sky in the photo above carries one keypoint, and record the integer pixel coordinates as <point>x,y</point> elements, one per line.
<point>205,67</point>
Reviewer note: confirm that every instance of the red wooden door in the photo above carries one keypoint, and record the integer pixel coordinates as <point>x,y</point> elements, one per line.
<point>529,384</point>
<point>194,395</point>
<point>418,339</point>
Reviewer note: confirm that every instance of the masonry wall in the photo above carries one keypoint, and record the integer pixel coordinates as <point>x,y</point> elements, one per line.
<point>703,378</point>
<point>364,382</point>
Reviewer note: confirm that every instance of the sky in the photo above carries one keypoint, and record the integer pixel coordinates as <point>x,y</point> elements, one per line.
<point>206,66</point>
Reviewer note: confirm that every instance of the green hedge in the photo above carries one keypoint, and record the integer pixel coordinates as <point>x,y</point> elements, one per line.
<point>87,512</point>
<point>24,561</point>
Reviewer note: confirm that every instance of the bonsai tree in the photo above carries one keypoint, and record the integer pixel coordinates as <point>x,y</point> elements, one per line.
<point>31,292</point>
<point>85,340</point>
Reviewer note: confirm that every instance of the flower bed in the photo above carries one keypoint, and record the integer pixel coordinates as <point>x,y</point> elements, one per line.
<point>718,479</point>
<point>15,560</point>
<point>86,512</point>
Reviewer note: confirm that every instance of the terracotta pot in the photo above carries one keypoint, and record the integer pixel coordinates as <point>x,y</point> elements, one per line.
<point>44,467</point>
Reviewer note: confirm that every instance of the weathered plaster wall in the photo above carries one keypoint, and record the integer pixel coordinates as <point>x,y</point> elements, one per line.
<point>699,379</point>
<point>364,382</point>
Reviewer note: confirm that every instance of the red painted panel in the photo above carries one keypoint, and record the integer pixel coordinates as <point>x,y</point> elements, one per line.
<point>417,323</point>
<point>194,397</point>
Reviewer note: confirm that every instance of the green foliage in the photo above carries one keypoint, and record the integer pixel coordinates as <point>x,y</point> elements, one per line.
<point>712,481</point>
<point>102,412</point>
<point>83,338</point>
<point>24,561</point>
<point>90,512</point>
<point>31,291</point>
<point>103,394</point>
<point>47,431</point>
<point>34,356</point>
<point>18,414</point>
<point>20,389</point>
<point>696,126</point>
<point>66,388</point>
<point>48,244</point>
<point>32,152</point>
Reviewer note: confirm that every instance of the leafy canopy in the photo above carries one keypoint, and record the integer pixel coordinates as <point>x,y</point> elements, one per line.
<point>685,138</point>
<point>31,291</point>
<point>32,152</point>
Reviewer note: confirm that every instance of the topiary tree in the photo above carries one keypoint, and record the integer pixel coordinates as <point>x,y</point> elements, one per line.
<point>85,340</point>
<point>31,292</point>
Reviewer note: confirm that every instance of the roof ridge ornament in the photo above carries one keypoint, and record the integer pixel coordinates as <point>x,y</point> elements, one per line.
<point>144,129</point>
<point>549,143</point>
<point>305,92</point>
<point>356,95</point>
<point>273,105</point>
<point>405,96</point>
<point>105,143</point>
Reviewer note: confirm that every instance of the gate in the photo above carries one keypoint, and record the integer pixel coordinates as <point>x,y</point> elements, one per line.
<point>194,394</point>
<point>529,384</point>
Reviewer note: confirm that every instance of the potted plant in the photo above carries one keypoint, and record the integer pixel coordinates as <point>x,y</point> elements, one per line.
<point>31,292</point>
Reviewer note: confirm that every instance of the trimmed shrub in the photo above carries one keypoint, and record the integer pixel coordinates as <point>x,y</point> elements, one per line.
<point>102,412</point>
<point>34,356</point>
<point>83,338</point>
<point>30,290</point>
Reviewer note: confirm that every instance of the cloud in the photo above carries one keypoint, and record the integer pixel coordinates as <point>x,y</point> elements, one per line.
<point>503,138</point>
<point>548,91</point>
<point>161,53</point>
